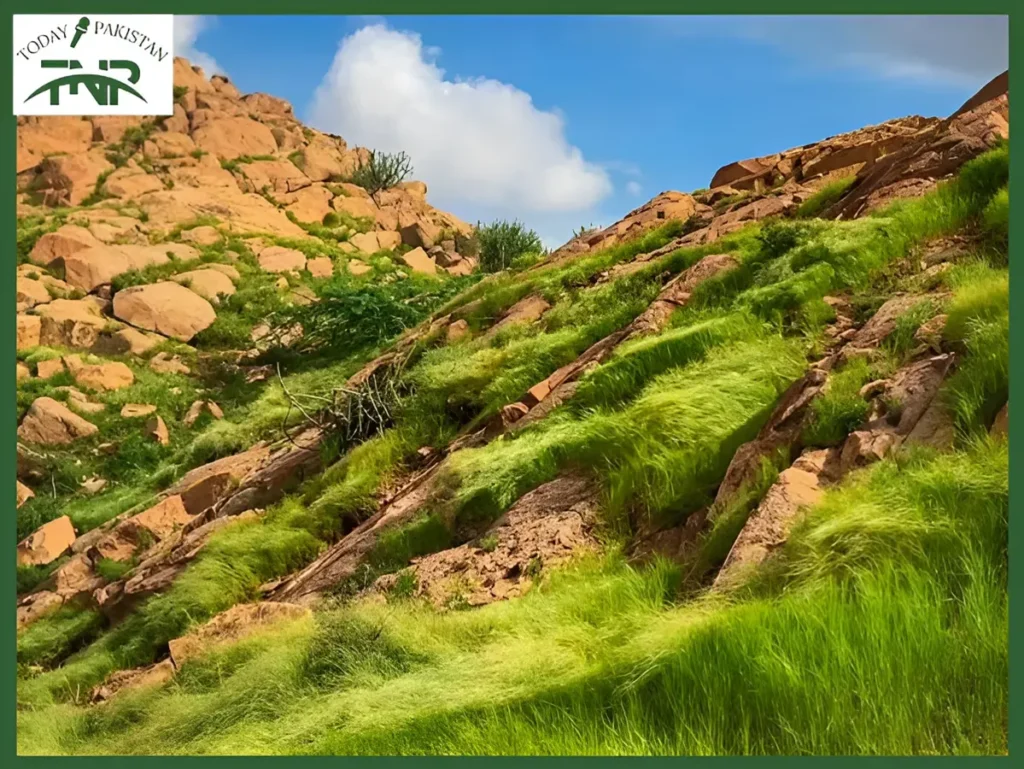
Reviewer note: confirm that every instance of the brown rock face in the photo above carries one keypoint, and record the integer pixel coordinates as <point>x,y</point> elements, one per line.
<point>209,284</point>
<point>204,486</point>
<point>157,430</point>
<point>47,543</point>
<point>92,267</point>
<point>37,605</point>
<point>100,376</point>
<point>544,528</point>
<point>61,243</point>
<point>233,625</point>
<point>1001,425</point>
<point>418,261</point>
<point>69,323</point>
<point>24,493</point>
<point>70,179</point>
<point>29,293</point>
<point>320,267</point>
<point>139,678</point>
<point>166,307</point>
<point>232,137</point>
<point>51,423</point>
<point>281,259</point>
<point>28,330</point>
<point>768,527</point>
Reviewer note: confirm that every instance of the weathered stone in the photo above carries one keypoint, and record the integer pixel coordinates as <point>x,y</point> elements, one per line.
<point>166,307</point>
<point>281,259</point>
<point>233,625</point>
<point>209,284</point>
<point>47,543</point>
<point>51,423</point>
<point>135,410</point>
<point>157,430</point>
<point>24,494</point>
<point>99,376</point>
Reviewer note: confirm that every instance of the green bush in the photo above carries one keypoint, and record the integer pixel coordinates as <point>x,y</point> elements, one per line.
<point>503,242</point>
<point>381,171</point>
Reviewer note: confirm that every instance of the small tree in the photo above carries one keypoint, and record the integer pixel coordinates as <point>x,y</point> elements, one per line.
<point>502,242</point>
<point>382,171</point>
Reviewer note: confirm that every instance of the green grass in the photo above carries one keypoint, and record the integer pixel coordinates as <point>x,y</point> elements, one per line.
<point>881,631</point>
<point>824,198</point>
<point>840,409</point>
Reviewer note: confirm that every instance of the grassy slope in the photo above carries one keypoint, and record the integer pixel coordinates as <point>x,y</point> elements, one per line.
<point>661,688</point>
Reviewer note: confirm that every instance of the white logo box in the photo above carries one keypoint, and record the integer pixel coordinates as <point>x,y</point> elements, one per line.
<point>93,64</point>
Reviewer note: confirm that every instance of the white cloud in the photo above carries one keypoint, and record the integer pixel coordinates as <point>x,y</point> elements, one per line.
<point>475,142</point>
<point>634,188</point>
<point>187,29</point>
<point>960,51</point>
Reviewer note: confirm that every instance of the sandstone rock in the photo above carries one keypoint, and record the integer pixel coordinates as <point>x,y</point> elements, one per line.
<point>49,368</point>
<point>23,372</point>
<point>29,293</point>
<point>95,266</point>
<point>166,308</point>
<point>320,267</point>
<point>389,241</point>
<point>209,284</point>
<point>128,185</point>
<point>28,331</point>
<point>240,212</point>
<point>79,401</point>
<point>201,236</point>
<point>169,144</point>
<point>37,605</point>
<point>281,259</point>
<point>51,135</point>
<point>355,267</point>
<point>65,323</point>
<point>356,206</point>
<point>162,363</point>
<point>51,423</point>
<point>232,137</point>
<point>100,376</point>
<point>418,261</point>
<point>276,175</point>
<point>157,430</point>
<point>76,577</point>
<point>458,330</point>
<point>126,680</point>
<point>47,543</point>
<point>226,269</point>
<point>24,494</point>
<point>127,340</point>
<point>134,410</point>
<point>529,309</point>
<point>768,527</point>
<point>420,234</point>
<point>265,104</point>
<point>309,204</point>
<point>61,243</point>
<point>70,179</point>
<point>233,625</point>
<point>366,242</point>
<point>204,486</point>
<point>196,410</point>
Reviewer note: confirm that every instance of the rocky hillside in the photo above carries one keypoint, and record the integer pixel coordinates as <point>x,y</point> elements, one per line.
<point>714,479</point>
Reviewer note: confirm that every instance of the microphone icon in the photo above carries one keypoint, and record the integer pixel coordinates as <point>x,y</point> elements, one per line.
<point>80,29</point>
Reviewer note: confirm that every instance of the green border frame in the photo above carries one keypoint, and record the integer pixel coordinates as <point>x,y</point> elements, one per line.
<point>8,137</point>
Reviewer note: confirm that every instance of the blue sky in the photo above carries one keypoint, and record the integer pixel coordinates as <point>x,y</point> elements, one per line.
<point>565,121</point>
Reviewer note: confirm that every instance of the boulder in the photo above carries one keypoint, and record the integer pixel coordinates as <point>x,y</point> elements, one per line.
<point>100,376</point>
<point>61,243</point>
<point>23,372</point>
<point>49,368</point>
<point>165,307</point>
<point>281,259</point>
<point>70,323</point>
<point>76,577</point>
<point>458,330</point>
<point>276,175</point>
<point>29,293</point>
<point>226,269</point>
<point>157,430</point>
<point>232,137</point>
<point>148,677</point>
<point>1001,425</point>
<point>79,401</point>
<point>24,494</point>
<point>127,340</point>
<point>51,135</point>
<point>420,234</point>
<point>209,284</point>
<point>320,267</point>
<point>92,267</point>
<point>36,605</point>
<point>28,331</point>
<point>128,184</point>
<point>51,423</point>
<point>309,204</point>
<point>356,267</point>
<point>70,179</point>
<point>204,486</point>
<point>204,235</point>
<point>355,206</point>
<point>135,410</point>
<point>162,363</point>
<point>418,261</point>
<point>47,543</point>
